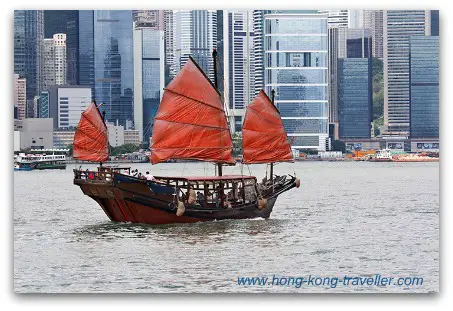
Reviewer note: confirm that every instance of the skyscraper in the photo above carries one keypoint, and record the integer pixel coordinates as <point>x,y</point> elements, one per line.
<point>336,18</point>
<point>28,42</point>
<point>149,77</point>
<point>195,34</point>
<point>424,86</point>
<point>67,22</point>
<point>113,63</point>
<point>258,46</point>
<point>296,67</point>
<point>399,26</point>
<point>20,96</point>
<point>85,69</point>
<point>239,68</point>
<point>355,97</point>
<point>373,20</point>
<point>54,61</point>
<point>170,71</point>
<point>153,19</point>
<point>354,43</point>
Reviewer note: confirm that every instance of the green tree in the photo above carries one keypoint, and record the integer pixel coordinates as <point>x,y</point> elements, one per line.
<point>237,144</point>
<point>378,89</point>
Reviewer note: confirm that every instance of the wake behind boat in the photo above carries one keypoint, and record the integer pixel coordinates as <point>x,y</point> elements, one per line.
<point>190,125</point>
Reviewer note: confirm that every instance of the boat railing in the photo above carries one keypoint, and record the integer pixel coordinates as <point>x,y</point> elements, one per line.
<point>92,175</point>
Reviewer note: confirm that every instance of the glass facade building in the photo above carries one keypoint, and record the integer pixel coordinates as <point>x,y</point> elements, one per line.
<point>295,67</point>
<point>149,78</point>
<point>28,45</point>
<point>355,97</point>
<point>424,86</point>
<point>85,64</point>
<point>113,63</point>
<point>399,25</point>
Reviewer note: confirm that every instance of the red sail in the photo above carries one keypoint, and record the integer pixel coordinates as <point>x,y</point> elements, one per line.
<point>191,122</point>
<point>90,139</point>
<point>264,137</point>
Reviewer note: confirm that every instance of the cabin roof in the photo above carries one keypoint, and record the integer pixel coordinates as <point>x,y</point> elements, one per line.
<point>207,178</point>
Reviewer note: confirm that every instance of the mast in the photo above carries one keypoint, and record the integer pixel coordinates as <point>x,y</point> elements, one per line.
<point>214,57</point>
<point>219,165</point>
<point>272,163</point>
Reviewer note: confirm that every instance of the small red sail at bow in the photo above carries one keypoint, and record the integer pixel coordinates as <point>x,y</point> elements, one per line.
<point>264,137</point>
<point>191,122</point>
<point>90,139</point>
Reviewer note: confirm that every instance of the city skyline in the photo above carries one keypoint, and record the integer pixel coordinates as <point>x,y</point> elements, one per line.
<point>100,53</point>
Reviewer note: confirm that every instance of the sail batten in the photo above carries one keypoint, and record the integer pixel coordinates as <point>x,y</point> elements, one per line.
<point>264,138</point>
<point>90,139</point>
<point>191,122</point>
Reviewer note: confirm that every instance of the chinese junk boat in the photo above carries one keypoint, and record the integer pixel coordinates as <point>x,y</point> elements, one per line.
<point>190,124</point>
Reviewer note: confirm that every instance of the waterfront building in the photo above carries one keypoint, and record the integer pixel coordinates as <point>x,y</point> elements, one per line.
<point>20,96</point>
<point>67,22</point>
<point>296,68</point>
<point>399,26</point>
<point>63,138</point>
<point>355,97</point>
<point>149,77</point>
<point>336,18</point>
<point>64,104</point>
<point>116,134</point>
<point>36,133</point>
<point>28,43</point>
<point>54,61</point>
<point>132,137</point>
<point>194,34</point>
<point>424,86</point>
<point>239,66</point>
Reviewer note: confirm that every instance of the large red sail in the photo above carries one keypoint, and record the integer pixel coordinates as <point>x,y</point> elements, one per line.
<point>90,139</point>
<point>264,137</point>
<point>191,122</point>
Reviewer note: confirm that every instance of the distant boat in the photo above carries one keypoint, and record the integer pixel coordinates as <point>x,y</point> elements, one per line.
<point>190,125</point>
<point>40,161</point>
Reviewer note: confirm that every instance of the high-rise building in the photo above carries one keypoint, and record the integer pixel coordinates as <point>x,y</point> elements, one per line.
<point>64,104</point>
<point>149,77</point>
<point>296,68</point>
<point>54,61</point>
<point>194,34</point>
<point>399,26</point>
<point>239,67</point>
<point>258,46</point>
<point>85,69</point>
<point>170,71</point>
<point>20,96</point>
<point>336,18</point>
<point>153,19</point>
<point>355,97</point>
<point>424,86</point>
<point>28,42</point>
<point>67,22</point>
<point>354,43</point>
<point>113,63</point>
<point>373,20</point>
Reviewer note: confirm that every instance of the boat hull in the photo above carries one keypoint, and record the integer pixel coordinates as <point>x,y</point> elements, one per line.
<point>142,203</point>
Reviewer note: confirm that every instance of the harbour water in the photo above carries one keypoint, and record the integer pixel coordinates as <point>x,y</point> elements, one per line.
<point>347,218</point>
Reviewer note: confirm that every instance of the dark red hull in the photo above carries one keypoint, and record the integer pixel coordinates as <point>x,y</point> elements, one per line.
<point>135,203</point>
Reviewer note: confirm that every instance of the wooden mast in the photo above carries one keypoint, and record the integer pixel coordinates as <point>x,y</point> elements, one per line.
<point>272,163</point>
<point>219,165</point>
